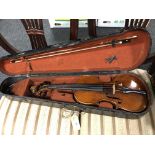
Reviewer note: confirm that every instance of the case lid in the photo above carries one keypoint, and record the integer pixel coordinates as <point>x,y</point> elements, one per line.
<point>123,51</point>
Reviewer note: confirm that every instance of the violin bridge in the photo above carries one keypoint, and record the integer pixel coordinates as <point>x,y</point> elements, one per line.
<point>113,88</point>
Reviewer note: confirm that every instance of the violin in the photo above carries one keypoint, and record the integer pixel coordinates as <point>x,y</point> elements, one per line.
<point>122,92</point>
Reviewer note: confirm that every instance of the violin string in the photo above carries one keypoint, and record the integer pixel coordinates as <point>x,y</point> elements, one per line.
<point>91,87</point>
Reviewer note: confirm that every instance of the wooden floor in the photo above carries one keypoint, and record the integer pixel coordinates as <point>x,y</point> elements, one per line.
<point>27,117</point>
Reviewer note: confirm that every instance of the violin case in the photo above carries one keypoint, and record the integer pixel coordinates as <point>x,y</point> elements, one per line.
<point>105,58</point>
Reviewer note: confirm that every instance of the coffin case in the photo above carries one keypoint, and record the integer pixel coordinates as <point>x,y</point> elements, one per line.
<point>104,58</point>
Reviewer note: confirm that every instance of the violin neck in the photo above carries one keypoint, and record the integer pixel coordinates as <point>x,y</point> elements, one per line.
<point>93,87</point>
<point>63,86</point>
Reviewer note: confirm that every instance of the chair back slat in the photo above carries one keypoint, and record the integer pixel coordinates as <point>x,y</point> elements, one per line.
<point>126,23</point>
<point>140,23</point>
<point>132,23</point>
<point>136,23</point>
<point>34,29</point>
<point>145,23</point>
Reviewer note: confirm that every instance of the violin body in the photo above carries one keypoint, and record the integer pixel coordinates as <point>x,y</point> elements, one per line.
<point>129,102</point>
<point>102,61</point>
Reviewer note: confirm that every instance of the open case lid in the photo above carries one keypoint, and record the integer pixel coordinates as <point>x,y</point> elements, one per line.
<point>123,51</point>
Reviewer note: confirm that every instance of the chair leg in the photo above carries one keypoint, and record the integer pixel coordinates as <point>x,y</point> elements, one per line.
<point>153,81</point>
<point>152,69</point>
<point>150,59</point>
<point>74,29</point>
<point>92,27</point>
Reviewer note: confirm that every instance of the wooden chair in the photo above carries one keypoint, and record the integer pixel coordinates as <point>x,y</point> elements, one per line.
<point>74,28</point>
<point>34,29</point>
<point>129,24</point>
<point>143,23</point>
<point>136,23</point>
<point>7,46</point>
<point>151,69</point>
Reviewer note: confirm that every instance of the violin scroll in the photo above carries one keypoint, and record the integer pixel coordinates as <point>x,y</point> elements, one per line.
<point>40,90</point>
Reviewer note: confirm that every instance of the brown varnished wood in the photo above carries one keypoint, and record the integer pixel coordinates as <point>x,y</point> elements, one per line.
<point>130,102</point>
<point>136,23</point>
<point>126,24</point>
<point>150,59</point>
<point>140,23</point>
<point>129,81</point>
<point>34,29</point>
<point>92,27</point>
<point>74,29</point>
<point>7,46</point>
<point>131,23</point>
<point>145,23</point>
